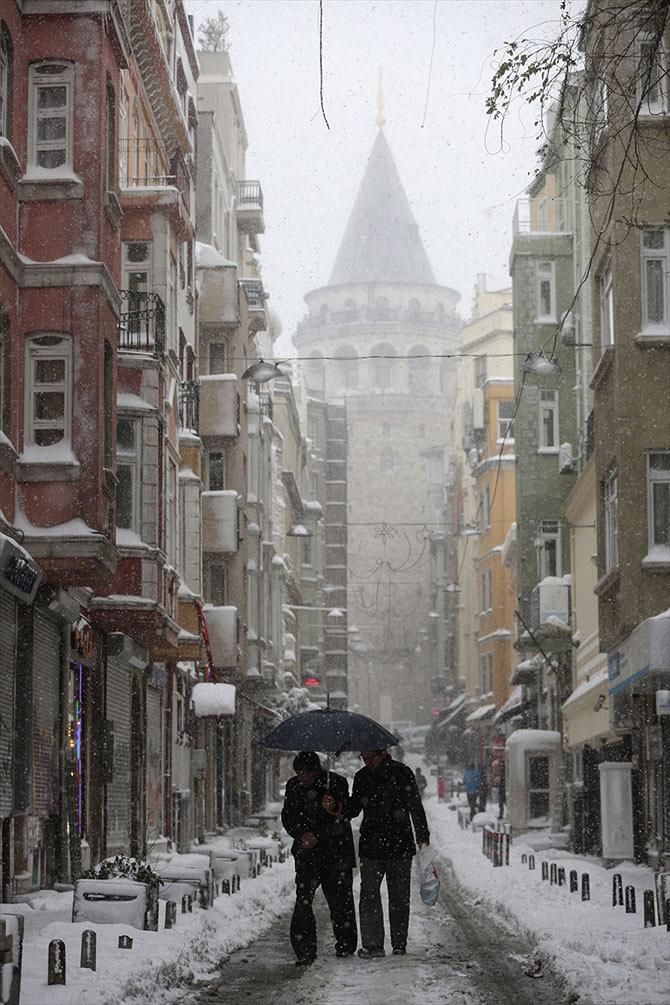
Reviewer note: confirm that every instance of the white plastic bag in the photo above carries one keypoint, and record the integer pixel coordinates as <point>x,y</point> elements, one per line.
<point>430,881</point>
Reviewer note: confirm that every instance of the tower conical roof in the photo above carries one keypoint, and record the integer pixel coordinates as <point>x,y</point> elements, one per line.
<point>381,242</point>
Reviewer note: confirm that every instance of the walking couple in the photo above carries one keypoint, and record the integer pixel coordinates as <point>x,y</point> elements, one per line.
<point>317,813</point>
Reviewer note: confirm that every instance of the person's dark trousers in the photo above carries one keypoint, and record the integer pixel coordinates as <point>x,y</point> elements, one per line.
<point>398,874</point>
<point>336,883</point>
<point>472,800</point>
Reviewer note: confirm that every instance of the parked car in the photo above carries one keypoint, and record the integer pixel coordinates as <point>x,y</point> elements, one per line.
<point>417,739</point>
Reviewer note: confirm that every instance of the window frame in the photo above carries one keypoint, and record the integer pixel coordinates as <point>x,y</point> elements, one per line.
<point>37,80</point>
<point>34,353</point>
<point>655,478</point>
<point>130,457</point>
<point>550,406</point>
<point>606,300</point>
<point>506,437</point>
<point>610,490</point>
<point>661,60</point>
<point>544,537</point>
<point>485,497</point>
<point>657,254</point>
<point>486,673</point>
<point>171,510</point>
<point>550,277</point>
<point>5,375</point>
<point>6,82</point>
<point>486,588</point>
<point>208,470</point>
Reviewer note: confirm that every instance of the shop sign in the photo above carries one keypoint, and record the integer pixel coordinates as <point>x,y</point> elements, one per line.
<point>19,575</point>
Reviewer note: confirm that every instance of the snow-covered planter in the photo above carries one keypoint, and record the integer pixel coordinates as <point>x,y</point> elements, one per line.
<point>119,890</point>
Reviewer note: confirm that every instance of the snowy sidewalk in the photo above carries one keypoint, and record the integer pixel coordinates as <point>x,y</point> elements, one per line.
<point>604,953</point>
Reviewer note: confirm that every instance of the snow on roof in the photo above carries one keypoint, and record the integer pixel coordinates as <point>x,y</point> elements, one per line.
<point>456,703</point>
<point>515,700</point>
<point>481,713</point>
<point>534,739</point>
<point>133,402</point>
<point>71,528</point>
<point>599,680</point>
<point>207,257</point>
<point>213,699</point>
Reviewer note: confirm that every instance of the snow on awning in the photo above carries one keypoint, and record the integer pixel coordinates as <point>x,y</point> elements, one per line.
<point>213,699</point>
<point>456,703</point>
<point>484,712</point>
<point>513,704</point>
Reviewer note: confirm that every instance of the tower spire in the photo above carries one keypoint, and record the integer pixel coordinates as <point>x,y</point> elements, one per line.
<point>381,118</point>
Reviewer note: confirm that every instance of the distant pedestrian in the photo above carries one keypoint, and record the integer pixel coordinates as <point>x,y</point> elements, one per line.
<point>387,793</point>
<point>421,781</point>
<point>502,795</point>
<point>471,784</point>
<point>315,815</point>
<point>483,792</point>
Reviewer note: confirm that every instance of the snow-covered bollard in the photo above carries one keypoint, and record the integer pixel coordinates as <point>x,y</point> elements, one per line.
<point>56,965</point>
<point>649,909</point>
<point>586,886</point>
<point>531,861</point>
<point>617,890</point>
<point>88,957</point>
<point>125,942</point>
<point>630,900</point>
<point>553,874</point>
<point>11,952</point>
<point>574,885</point>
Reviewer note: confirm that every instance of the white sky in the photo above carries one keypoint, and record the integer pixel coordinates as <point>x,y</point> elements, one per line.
<point>460,184</point>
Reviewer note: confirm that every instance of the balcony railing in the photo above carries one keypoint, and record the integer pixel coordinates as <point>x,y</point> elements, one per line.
<point>250,207</point>
<point>249,193</point>
<point>255,297</point>
<point>541,216</point>
<point>189,405</point>
<point>142,164</point>
<point>141,326</point>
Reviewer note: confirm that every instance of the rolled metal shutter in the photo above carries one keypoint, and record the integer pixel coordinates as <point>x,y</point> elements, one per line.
<point>7,662</point>
<point>119,704</point>
<point>46,696</point>
<point>154,763</point>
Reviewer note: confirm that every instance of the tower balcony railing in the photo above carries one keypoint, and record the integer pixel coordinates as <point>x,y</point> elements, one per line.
<point>379,315</point>
<point>141,325</point>
<point>189,405</point>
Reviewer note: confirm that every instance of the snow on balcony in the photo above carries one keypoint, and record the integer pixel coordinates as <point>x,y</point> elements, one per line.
<point>219,408</point>
<point>213,699</point>
<point>222,628</point>
<point>219,522</point>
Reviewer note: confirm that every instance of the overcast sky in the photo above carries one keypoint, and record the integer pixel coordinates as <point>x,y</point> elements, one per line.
<point>460,184</point>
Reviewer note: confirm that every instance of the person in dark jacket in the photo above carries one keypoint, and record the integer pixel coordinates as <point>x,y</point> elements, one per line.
<point>323,849</point>
<point>386,792</point>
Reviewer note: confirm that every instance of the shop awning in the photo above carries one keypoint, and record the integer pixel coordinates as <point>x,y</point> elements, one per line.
<point>512,706</point>
<point>481,713</point>
<point>213,699</point>
<point>642,661</point>
<point>526,672</point>
<point>586,716</point>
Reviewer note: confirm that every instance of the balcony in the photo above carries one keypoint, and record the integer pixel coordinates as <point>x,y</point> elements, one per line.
<point>219,405</point>
<point>219,301</point>
<point>141,326</point>
<point>250,207</point>
<point>222,629</point>
<point>219,522</point>
<point>541,216</point>
<point>189,402</point>
<point>143,165</point>
<point>255,297</point>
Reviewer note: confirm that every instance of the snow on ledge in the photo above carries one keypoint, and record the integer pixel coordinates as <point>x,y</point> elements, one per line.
<point>207,257</point>
<point>213,699</point>
<point>71,528</point>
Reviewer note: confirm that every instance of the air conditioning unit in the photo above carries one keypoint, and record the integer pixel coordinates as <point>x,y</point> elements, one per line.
<point>566,460</point>
<point>478,408</point>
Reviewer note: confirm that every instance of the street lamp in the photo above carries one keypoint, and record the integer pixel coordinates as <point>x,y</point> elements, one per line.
<point>298,530</point>
<point>260,372</point>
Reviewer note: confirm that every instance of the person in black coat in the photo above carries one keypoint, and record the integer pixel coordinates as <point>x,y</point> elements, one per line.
<point>386,792</point>
<point>323,849</point>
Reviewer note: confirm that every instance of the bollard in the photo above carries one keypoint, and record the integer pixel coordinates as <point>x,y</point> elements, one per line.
<point>531,861</point>
<point>586,886</point>
<point>189,903</point>
<point>545,870</point>
<point>125,942</point>
<point>561,876</point>
<point>56,968</point>
<point>174,912</point>
<point>524,858</point>
<point>553,873</point>
<point>507,844</point>
<point>484,836</point>
<point>184,904</point>
<point>617,890</point>
<point>574,885</point>
<point>649,909</point>
<point>630,900</point>
<point>88,956</point>
<point>168,914</point>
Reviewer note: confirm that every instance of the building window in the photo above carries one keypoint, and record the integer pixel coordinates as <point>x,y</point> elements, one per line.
<point>218,584</point>
<point>480,370</point>
<point>216,471</point>
<point>656,279</point>
<point>137,268</point>
<point>110,130</point>
<point>486,673</point>
<point>485,504</point>
<point>548,546</point>
<point>171,529</point>
<point>127,474</point>
<point>606,307</point>
<point>658,501</point>
<point>652,80</point>
<point>546,291</point>
<point>50,116</point>
<point>548,421</point>
<point>5,82</point>
<point>486,584</point>
<point>538,789</point>
<point>48,391</point>
<point>5,376</point>
<point>218,357</point>
<point>504,429</point>
<point>610,492</point>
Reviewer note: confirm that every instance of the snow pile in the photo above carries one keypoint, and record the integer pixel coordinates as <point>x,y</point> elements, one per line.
<point>605,954</point>
<point>213,699</point>
<point>207,257</point>
<point>161,965</point>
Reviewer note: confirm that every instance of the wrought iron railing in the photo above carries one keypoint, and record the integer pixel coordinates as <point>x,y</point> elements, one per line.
<point>253,290</point>
<point>249,193</point>
<point>142,164</point>
<point>141,326</point>
<point>189,405</point>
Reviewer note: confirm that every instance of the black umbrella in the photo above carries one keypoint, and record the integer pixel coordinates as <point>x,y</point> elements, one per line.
<point>331,730</point>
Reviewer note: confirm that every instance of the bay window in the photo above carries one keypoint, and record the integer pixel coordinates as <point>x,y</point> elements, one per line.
<point>545,289</point>
<point>127,474</point>
<point>548,544</point>
<point>548,421</point>
<point>610,493</point>
<point>48,391</point>
<point>50,116</point>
